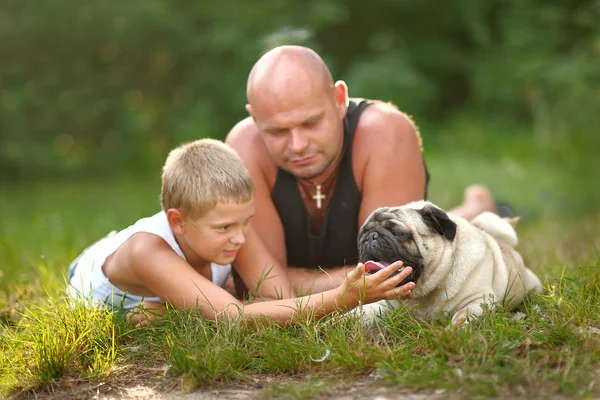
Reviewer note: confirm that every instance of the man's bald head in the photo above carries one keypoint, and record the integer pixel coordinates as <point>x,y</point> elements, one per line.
<point>287,68</point>
<point>298,110</point>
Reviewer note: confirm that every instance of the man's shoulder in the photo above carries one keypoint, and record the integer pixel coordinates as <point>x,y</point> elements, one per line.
<point>246,140</point>
<point>385,116</point>
<point>386,145</point>
<point>243,132</point>
<point>384,122</point>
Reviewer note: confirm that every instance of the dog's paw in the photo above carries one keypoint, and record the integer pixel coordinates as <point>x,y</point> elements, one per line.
<point>459,320</point>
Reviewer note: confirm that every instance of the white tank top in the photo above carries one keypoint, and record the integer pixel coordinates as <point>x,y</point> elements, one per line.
<point>159,226</point>
<point>89,280</point>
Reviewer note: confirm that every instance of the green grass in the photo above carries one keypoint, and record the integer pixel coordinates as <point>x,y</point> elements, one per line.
<point>552,351</point>
<point>60,341</point>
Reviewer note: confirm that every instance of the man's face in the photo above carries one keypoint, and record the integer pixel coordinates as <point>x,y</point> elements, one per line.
<point>304,131</point>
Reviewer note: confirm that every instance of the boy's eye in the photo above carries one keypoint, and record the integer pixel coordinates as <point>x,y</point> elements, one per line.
<point>223,228</point>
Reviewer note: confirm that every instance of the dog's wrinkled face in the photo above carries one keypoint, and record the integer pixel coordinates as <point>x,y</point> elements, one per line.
<point>404,233</point>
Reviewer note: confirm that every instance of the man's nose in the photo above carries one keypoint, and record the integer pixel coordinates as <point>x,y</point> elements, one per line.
<point>298,141</point>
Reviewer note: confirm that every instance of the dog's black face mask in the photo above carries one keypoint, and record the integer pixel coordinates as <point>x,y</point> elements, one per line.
<point>385,240</point>
<point>388,236</point>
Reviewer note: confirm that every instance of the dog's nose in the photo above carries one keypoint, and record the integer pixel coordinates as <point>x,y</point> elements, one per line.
<point>372,237</point>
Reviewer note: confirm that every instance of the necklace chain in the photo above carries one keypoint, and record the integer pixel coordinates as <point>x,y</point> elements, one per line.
<point>318,197</point>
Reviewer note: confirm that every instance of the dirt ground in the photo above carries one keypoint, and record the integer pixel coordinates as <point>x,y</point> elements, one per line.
<point>362,388</point>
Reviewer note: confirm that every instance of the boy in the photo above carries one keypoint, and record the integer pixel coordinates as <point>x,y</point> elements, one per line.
<point>183,254</point>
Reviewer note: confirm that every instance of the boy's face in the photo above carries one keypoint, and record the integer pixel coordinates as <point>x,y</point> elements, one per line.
<point>217,236</point>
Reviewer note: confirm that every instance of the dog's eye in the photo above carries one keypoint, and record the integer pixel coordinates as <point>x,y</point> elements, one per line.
<point>389,225</point>
<point>401,233</point>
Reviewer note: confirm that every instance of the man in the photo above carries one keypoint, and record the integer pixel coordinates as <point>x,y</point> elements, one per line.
<point>321,164</point>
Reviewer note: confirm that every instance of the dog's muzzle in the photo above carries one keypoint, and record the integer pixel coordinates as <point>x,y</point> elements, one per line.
<point>383,249</point>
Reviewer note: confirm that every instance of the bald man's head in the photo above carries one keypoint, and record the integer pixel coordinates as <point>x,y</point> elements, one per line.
<point>287,68</point>
<point>298,110</point>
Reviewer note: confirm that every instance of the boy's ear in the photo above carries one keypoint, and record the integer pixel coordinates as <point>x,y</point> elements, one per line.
<point>176,221</point>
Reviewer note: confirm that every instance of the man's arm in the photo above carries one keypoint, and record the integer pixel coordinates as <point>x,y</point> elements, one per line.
<point>386,141</point>
<point>387,159</point>
<point>245,139</point>
<point>260,272</point>
<point>388,165</point>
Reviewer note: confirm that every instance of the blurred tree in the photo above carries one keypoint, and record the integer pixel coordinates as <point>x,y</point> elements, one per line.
<point>103,87</point>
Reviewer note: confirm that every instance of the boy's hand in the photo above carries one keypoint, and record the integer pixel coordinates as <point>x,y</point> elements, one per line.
<point>147,311</point>
<point>368,288</point>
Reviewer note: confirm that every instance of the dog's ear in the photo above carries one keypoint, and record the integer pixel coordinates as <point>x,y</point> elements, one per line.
<point>513,221</point>
<point>438,221</point>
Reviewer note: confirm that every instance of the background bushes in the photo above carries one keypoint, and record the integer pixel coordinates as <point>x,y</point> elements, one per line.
<point>99,88</point>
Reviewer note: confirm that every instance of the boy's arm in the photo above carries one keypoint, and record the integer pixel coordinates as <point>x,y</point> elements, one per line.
<point>155,266</point>
<point>307,280</point>
<point>358,287</point>
<point>172,279</point>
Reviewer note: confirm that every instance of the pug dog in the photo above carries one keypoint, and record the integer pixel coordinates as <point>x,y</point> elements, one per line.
<point>457,265</point>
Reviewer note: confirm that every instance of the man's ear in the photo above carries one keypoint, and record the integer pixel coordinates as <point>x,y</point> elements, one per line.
<point>249,110</point>
<point>340,91</point>
<point>438,221</point>
<point>176,221</point>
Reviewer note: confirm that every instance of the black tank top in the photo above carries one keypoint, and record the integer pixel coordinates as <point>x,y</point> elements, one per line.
<point>336,244</point>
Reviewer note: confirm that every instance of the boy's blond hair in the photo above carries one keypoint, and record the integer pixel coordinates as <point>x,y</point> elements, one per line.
<point>200,174</point>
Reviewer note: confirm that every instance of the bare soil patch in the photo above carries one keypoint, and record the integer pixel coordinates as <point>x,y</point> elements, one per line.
<point>157,387</point>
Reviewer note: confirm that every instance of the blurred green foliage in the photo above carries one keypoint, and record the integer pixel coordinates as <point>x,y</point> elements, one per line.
<point>97,88</point>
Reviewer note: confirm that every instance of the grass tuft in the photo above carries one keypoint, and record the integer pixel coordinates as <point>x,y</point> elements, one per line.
<point>59,341</point>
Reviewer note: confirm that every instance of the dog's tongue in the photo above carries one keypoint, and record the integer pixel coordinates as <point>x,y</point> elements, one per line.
<point>372,266</point>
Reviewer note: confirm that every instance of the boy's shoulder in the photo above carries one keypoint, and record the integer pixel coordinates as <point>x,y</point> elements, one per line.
<point>137,260</point>
<point>144,244</point>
